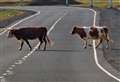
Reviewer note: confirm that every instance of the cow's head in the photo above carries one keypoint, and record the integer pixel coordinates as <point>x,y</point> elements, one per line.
<point>74,30</point>
<point>11,33</point>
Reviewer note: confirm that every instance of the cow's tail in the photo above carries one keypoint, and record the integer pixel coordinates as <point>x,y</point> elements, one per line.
<point>107,34</point>
<point>49,41</point>
<point>109,38</point>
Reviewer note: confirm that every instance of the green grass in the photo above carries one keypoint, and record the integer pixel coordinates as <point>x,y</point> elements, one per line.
<point>14,0</point>
<point>6,14</point>
<point>1,30</point>
<point>99,3</point>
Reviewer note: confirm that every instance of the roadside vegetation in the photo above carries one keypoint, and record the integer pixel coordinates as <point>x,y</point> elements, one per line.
<point>14,2</point>
<point>99,3</point>
<point>1,29</point>
<point>85,3</point>
<point>6,14</point>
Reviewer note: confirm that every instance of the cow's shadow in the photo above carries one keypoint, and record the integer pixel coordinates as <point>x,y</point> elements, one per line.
<point>59,50</point>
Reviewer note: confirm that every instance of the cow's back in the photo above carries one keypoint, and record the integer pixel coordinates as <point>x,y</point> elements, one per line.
<point>30,33</point>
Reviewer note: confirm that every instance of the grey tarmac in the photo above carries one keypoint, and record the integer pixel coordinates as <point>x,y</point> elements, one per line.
<point>65,61</point>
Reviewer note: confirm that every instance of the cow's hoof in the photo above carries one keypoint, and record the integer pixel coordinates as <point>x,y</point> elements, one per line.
<point>90,45</point>
<point>19,49</point>
<point>96,47</point>
<point>44,49</point>
<point>85,47</point>
<point>31,49</point>
<point>107,47</point>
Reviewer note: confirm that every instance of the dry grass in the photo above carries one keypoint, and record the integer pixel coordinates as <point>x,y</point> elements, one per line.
<point>1,30</point>
<point>99,3</point>
<point>13,0</point>
<point>6,14</point>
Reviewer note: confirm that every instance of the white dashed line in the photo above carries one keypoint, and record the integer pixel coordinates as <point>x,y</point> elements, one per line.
<point>9,72</point>
<point>10,68</point>
<point>25,57</point>
<point>4,74</point>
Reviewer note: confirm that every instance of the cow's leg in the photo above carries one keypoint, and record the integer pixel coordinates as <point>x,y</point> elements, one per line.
<point>85,43</point>
<point>28,44</point>
<point>108,42</point>
<point>22,42</point>
<point>108,45</point>
<point>45,43</point>
<point>41,42</point>
<point>100,41</point>
<point>90,42</point>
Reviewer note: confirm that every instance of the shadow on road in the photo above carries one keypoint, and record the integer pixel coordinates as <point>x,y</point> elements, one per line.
<point>60,50</point>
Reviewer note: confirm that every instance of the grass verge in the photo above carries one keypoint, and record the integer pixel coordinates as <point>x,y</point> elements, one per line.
<point>6,14</point>
<point>99,3</point>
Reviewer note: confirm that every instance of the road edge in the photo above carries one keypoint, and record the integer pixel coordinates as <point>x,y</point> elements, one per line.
<point>19,21</point>
<point>104,67</point>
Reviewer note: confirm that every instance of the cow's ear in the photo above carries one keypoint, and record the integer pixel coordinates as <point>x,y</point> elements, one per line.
<point>75,27</point>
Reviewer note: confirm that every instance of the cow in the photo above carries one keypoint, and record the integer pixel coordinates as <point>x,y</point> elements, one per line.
<point>30,33</point>
<point>99,34</point>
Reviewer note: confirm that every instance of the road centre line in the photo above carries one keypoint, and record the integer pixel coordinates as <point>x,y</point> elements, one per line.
<point>31,52</point>
<point>95,51</point>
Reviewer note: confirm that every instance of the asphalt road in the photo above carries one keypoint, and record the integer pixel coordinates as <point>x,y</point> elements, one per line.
<point>65,61</point>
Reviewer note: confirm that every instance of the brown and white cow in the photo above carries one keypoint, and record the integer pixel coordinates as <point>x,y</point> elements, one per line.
<point>96,33</point>
<point>30,33</point>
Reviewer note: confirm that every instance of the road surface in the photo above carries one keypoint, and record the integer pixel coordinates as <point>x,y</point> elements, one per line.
<point>65,61</point>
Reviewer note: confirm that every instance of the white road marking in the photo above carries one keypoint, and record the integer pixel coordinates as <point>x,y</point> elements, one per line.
<point>9,70</point>
<point>95,15</point>
<point>13,65</point>
<point>19,23</point>
<point>4,74</point>
<point>56,23</point>
<point>95,52</point>
<point>97,63</point>
<point>1,77</point>
<point>20,61</point>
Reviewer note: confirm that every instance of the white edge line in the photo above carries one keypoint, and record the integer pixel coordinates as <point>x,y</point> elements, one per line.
<point>95,53</point>
<point>19,22</point>
<point>26,18</point>
<point>97,63</point>
<point>34,49</point>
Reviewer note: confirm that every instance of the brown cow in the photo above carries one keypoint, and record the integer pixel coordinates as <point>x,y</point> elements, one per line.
<point>94,32</point>
<point>30,33</point>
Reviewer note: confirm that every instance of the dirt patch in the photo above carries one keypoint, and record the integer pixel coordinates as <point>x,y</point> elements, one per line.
<point>111,18</point>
